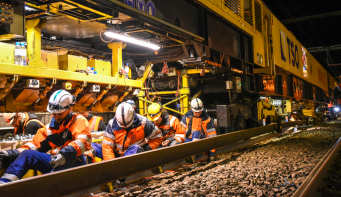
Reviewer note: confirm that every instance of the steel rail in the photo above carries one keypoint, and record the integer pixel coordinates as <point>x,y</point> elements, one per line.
<point>316,178</point>
<point>179,163</point>
<point>76,179</point>
<point>292,123</point>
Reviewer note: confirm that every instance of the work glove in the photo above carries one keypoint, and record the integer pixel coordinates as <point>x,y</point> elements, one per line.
<point>165,143</point>
<point>57,160</point>
<point>120,182</point>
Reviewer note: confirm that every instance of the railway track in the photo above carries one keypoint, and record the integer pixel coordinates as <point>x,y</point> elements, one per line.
<point>275,167</point>
<point>81,180</point>
<point>325,179</point>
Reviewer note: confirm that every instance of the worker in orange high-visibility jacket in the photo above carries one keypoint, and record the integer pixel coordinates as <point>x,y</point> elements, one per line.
<point>23,123</point>
<point>198,125</point>
<point>96,123</point>
<point>169,125</point>
<point>57,146</point>
<point>129,133</point>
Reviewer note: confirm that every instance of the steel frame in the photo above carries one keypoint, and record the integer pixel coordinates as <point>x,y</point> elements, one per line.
<point>184,93</point>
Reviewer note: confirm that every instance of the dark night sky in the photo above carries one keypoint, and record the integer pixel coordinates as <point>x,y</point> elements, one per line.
<point>322,32</point>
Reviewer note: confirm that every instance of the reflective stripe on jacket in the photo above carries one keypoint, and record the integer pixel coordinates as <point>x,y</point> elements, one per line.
<point>28,118</point>
<point>94,122</point>
<point>198,124</point>
<point>117,139</point>
<point>171,128</point>
<point>204,122</point>
<point>72,138</point>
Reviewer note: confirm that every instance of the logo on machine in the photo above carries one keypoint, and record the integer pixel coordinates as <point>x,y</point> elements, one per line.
<point>130,2</point>
<point>289,50</point>
<point>142,6</point>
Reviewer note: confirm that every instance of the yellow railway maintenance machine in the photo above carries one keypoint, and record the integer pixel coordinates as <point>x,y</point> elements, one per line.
<point>233,54</point>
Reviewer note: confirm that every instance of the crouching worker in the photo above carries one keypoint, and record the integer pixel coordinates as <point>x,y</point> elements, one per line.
<point>169,125</point>
<point>198,125</point>
<point>23,123</point>
<point>57,146</point>
<point>129,133</point>
<point>96,123</point>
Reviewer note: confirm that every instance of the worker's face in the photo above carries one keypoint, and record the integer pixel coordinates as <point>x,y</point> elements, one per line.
<point>84,114</point>
<point>16,121</point>
<point>158,121</point>
<point>197,114</point>
<point>59,117</point>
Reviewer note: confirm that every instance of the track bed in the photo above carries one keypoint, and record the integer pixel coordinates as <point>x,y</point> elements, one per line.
<point>275,167</point>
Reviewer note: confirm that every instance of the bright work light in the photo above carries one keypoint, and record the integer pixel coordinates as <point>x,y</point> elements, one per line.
<point>336,109</point>
<point>131,40</point>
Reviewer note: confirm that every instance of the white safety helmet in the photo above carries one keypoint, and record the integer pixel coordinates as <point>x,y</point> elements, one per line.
<point>125,115</point>
<point>197,105</point>
<point>60,101</point>
<point>131,102</point>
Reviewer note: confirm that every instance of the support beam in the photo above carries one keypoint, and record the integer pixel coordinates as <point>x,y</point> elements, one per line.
<point>116,48</point>
<point>321,49</point>
<point>34,27</point>
<point>317,16</point>
<point>185,102</point>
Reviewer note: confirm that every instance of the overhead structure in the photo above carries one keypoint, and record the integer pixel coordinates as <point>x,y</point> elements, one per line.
<point>311,17</point>
<point>239,58</point>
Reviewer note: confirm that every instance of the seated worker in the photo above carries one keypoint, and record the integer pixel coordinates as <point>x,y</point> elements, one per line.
<point>23,123</point>
<point>198,125</point>
<point>129,133</point>
<point>57,146</point>
<point>96,123</point>
<point>169,125</point>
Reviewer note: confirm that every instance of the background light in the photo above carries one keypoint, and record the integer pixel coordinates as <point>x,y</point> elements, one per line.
<point>131,40</point>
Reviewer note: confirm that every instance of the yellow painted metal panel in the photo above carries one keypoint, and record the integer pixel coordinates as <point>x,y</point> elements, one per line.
<point>45,73</point>
<point>230,10</point>
<point>7,53</point>
<point>218,7</point>
<point>72,63</point>
<point>288,55</point>
<point>234,11</point>
<point>258,51</point>
<point>332,82</point>
<point>102,67</point>
<point>50,59</point>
